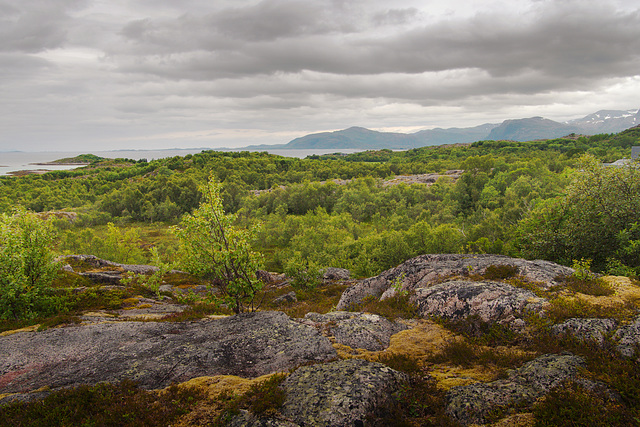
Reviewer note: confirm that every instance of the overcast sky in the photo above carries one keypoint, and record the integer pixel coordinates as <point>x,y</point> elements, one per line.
<point>111,74</point>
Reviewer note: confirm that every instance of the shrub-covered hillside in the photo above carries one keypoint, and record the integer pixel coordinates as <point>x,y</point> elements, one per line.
<point>358,211</point>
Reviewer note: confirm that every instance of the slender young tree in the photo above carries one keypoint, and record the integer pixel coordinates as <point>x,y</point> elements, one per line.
<point>213,248</point>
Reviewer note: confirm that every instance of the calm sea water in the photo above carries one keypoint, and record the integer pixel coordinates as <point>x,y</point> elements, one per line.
<point>17,161</point>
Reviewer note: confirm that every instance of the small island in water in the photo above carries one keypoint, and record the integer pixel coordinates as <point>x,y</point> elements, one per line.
<point>81,159</point>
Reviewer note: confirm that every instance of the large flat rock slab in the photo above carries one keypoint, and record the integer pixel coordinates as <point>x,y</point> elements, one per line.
<point>157,354</point>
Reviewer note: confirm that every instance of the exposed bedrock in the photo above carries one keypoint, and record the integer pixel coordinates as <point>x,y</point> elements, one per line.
<point>342,393</point>
<point>430,269</point>
<point>470,404</point>
<point>357,330</point>
<point>490,301</point>
<point>157,354</point>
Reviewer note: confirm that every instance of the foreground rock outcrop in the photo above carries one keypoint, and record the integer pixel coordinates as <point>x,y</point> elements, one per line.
<point>430,269</point>
<point>157,354</point>
<point>220,353</point>
<point>472,403</point>
<point>339,394</point>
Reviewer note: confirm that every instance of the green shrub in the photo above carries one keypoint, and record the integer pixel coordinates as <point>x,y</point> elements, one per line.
<point>304,274</point>
<point>214,248</point>
<point>27,267</point>
<point>616,268</point>
<point>152,281</point>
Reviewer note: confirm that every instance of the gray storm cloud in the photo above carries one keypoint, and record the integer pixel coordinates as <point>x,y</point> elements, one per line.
<point>78,70</point>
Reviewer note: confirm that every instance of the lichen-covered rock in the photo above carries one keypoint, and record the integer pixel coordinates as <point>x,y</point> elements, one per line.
<point>470,404</point>
<point>357,330</point>
<point>426,270</point>
<point>491,301</point>
<point>586,329</point>
<point>157,354</point>
<point>628,338</point>
<point>96,262</point>
<point>111,271</point>
<point>270,278</point>
<point>286,298</point>
<point>333,273</point>
<point>339,394</point>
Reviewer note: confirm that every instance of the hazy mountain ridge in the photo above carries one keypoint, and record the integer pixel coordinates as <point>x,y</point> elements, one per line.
<point>527,129</point>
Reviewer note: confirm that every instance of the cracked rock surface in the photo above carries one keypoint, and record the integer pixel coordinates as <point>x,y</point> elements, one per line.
<point>430,269</point>
<point>584,329</point>
<point>157,354</point>
<point>340,393</point>
<point>470,404</point>
<point>357,330</point>
<point>491,301</point>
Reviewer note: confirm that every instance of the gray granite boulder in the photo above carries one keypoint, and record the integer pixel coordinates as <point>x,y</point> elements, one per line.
<point>491,301</point>
<point>470,404</point>
<point>628,337</point>
<point>343,393</point>
<point>334,274</point>
<point>286,298</point>
<point>357,330</point>
<point>586,329</point>
<point>430,269</point>
<point>157,354</point>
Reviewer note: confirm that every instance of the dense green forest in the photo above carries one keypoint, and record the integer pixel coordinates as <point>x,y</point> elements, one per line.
<point>548,199</point>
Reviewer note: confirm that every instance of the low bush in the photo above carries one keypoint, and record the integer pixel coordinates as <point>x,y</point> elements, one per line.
<point>500,272</point>
<point>418,403</point>
<point>589,286</point>
<point>480,332</point>
<point>463,353</point>
<point>318,300</point>
<point>263,399</point>
<point>123,404</point>
<point>400,362</point>
<point>572,404</point>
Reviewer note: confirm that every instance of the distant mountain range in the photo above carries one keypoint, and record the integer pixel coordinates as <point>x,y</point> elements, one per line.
<point>604,121</point>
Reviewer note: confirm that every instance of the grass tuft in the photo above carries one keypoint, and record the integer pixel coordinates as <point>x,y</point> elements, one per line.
<point>500,272</point>
<point>398,306</point>
<point>589,286</point>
